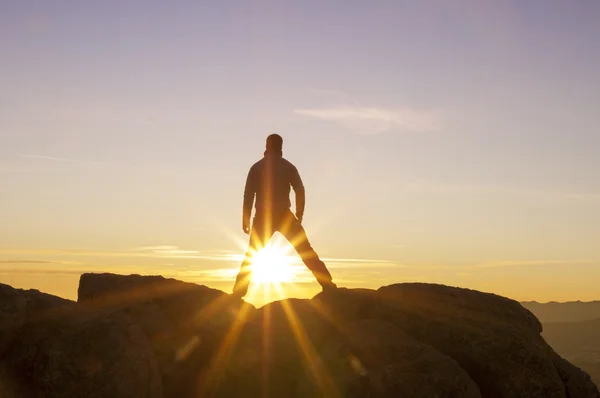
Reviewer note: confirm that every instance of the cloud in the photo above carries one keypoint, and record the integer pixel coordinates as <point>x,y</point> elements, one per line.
<point>66,160</point>
<point>162,250</point>
<point>215,266</point>
<point>3,262</point>
<point>151,248</point>
<point>373,120</point>
<point>29,271</point>
<point>348,263</point>
<point>213,275</point>
<point>518,263</point>
<point>175,252</point>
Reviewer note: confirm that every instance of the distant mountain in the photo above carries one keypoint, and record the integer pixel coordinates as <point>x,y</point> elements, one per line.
<point>578,342</point>
<point>573,311</point>
<point>574,335</point>
<point>573,330</point>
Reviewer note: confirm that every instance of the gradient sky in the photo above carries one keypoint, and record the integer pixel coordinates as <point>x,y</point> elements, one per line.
<point>454,142</point>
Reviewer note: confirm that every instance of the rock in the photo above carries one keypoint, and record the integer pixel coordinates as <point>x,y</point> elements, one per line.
<point>283,322</point>
<point>185,305</point>
<point>577,382</point>
<point>283,337</point>
<point>415,340</point>
<point>59,349</point>
<point>17,305</point>
<point>376,359</point>
<point>493,338</point>
<point>187,324</point>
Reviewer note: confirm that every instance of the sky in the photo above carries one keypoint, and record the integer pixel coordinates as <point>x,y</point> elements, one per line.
<point>450,142</point>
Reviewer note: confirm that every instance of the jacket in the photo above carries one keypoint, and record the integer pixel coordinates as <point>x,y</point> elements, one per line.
<point>269,181</point>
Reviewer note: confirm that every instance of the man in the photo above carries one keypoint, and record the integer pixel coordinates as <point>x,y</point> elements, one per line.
<point>270,180</point>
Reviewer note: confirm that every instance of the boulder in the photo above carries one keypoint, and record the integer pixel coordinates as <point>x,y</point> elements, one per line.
<point>18,305</point>
<point>55,348</point>
<point>189,326</point>
<point>577,382</point>
<point>148,336</point>
<point>376,359</point>
<point>283,338</point>
<point>493,338</point>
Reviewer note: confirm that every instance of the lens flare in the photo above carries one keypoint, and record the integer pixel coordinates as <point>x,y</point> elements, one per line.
<point>272,264</point>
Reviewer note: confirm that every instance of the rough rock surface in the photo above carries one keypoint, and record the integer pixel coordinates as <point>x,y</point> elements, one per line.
<point>185,323</point>
<point>50,347</point>
<point>414,340</point>
<point>493,338</point>
<point>17,305</point>
<point>377,359</point>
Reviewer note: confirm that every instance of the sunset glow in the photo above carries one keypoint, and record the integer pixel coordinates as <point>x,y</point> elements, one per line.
<point>272,264</point>
<point>438,142</point>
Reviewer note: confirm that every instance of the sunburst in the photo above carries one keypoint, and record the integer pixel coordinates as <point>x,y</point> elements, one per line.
<point>272,264</point>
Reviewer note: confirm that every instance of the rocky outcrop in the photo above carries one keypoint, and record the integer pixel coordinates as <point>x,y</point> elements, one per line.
<point>185,323</point>
<point>493,338</point>
<point>50,347</point>
<point>414,340</point>
<point>378,359</point>
<point>18,306</point>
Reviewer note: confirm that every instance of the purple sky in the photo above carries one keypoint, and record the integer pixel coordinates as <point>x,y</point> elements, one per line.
<point>457,141</point>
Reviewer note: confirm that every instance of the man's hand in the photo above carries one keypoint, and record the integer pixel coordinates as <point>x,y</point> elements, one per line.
<point>299,219</point>
<point>246,226</point>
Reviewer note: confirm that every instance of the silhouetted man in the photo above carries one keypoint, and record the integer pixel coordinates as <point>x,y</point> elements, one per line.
<point>270,180</point>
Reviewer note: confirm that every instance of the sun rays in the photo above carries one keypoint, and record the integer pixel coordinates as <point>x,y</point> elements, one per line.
<point>312,363</point>
<point>274,271</point>
<point>272,264</point>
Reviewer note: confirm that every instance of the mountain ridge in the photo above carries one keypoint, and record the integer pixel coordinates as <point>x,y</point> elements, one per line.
<point>570,311</point>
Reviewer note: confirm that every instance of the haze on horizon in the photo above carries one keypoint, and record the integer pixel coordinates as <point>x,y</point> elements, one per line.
<point>447,142</point>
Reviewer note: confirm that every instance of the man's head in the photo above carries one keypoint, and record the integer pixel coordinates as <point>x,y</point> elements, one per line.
<point>274,144</point>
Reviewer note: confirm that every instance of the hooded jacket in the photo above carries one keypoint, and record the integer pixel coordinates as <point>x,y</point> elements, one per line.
<point>269,180</point>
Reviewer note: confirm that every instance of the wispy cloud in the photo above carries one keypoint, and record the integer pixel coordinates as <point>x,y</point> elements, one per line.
<point>175,252</point>
<point>28,271</point>
<point>519,263</point>
<point>372,120</point>
<point>358,263</point>
<point>66,160</point>
<point>162,250</point>
<point>19,261</point>
<point>217,266</point>
<point>148,252</point>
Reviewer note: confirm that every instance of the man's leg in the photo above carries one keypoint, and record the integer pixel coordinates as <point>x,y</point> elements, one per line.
<point>294,232</point>
<point>259,236</point>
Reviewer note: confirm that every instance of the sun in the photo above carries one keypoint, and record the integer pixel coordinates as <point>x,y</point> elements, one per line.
<point>272,264</point>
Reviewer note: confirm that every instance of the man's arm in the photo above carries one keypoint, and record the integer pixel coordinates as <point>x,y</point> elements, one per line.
<point>298,186</point>
<point>249,193</point>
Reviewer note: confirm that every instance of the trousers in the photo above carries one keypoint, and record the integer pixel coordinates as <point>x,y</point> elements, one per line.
<point>285,222</point>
